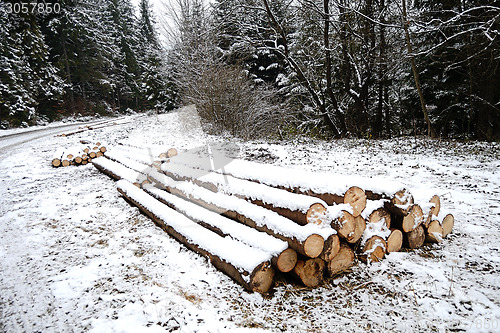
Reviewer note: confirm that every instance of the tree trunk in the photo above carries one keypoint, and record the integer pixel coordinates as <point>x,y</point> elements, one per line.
<point>284,258</point>
<point>430,129</point>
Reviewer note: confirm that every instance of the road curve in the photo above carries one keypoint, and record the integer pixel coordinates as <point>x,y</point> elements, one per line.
<point>10,141</point>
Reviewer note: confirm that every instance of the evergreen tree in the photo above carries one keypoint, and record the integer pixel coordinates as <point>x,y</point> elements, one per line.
<point>28,82</point>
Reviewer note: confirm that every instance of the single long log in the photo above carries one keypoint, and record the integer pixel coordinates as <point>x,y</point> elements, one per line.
<point>342,261</point>
<point>310,272</point>
<point>283,257</point>
<point>297,207</point>
<point>248,266</point>
<point>118,171</point>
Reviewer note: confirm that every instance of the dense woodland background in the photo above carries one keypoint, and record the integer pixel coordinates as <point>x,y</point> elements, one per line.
<point>259,68</point>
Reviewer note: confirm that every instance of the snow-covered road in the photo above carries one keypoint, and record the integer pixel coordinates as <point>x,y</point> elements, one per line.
<point>74,256</point>
<point>9,141</point>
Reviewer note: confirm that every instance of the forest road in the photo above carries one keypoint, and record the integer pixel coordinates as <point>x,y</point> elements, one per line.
<point>10,141</point>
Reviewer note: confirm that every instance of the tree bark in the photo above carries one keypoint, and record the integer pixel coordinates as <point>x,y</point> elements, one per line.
<point>430,129</point>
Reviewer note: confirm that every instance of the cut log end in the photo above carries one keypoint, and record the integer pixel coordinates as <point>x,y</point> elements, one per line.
<point>286,260</point>
<point>359,229</point>
<point>434,211</point>
<point>262,278</point>
<point>401,202</point>
<point>171,152</point>
<point>316,213</point>
<point>331,248</point>
<point>414,218</point>
<point>342,261</point>
<point>415,238</point>
<point>448,223</point>
<point>344,225</point>
<point>56,162</point>
<point>379,214</point>
<point>310,272</point>
<point>373,250</point>
<point>394,241</point>
<point>356,198</point>
<point>313,245</point>
<point>434,232</point>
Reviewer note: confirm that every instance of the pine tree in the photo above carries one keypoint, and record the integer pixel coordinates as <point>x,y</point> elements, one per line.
<point>28,82</point>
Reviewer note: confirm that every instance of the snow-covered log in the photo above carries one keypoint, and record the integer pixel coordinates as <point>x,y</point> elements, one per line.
<point>118,171</point>
<point>283,257</point>
<point>307,240</point>
<point>247,265</point>
<point>300,208</point>
<point>342,261</point>
<point>310,272</point>
<point>330,188</point>
<point>57,157</point>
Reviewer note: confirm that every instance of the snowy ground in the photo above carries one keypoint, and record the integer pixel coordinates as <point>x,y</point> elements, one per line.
<point>76,257</point>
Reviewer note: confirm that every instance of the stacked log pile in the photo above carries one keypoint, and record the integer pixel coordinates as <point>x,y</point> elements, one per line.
<point>304,225</point>
<point>78,155</point>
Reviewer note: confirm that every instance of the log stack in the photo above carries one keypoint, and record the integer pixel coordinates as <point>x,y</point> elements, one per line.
<point>309,225</point>
<point>80,154</point>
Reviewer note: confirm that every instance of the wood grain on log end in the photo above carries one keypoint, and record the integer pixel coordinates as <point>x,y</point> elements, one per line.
<point>344,225</point>
<point>359,229</point>
<point>394,241</point>
<point>262,278</point>
<point>285,261</point>
<point>316,213</point>
<point>313,245</point>
<point>448,223</point>
<point>356,198</point>
<point>414,218</point>
<point>342,261</point>
<point>373,250</point>
<point>331,248</point>
<point>434,232</point>
<point>415,238</point>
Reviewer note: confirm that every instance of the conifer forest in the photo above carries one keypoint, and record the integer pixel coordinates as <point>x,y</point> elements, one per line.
<point>259,68</point>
